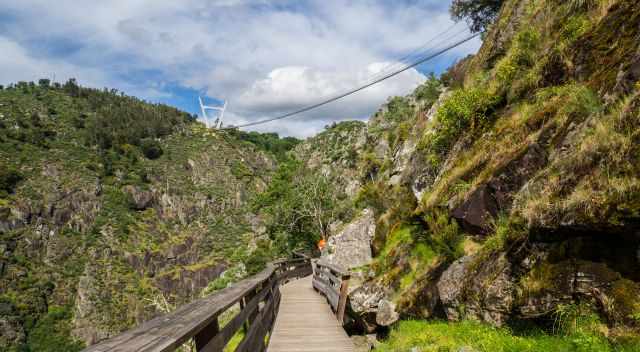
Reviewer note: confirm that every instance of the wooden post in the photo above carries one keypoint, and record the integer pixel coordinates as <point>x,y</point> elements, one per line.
<point>205,335</point>
<point>342,303</point>
<point>245,325</point>
<point>248,298</point>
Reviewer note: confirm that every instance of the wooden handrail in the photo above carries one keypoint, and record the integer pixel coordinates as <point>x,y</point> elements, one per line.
<point>333,282</point>
<point>259,299</point>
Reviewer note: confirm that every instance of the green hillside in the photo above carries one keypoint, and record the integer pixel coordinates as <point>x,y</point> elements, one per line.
<point>113,210</point>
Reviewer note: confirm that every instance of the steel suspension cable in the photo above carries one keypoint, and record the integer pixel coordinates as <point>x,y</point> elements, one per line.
<point>350,92</point>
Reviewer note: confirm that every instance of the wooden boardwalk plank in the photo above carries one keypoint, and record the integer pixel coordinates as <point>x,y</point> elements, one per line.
<point>306,323</point>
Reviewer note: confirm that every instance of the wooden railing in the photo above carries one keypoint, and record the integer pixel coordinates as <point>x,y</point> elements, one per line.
<point>333,282</point>
<point>258,297</point>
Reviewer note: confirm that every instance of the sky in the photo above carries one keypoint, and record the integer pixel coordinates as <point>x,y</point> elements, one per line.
<point>265,57</point>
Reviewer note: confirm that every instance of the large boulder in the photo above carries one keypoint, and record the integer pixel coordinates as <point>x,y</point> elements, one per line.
<point>351,247</point>
<point>491,284</point>
<point>370,307</point>
<point>451,284</point>
<point>11,331</point>
<point>532,281</point>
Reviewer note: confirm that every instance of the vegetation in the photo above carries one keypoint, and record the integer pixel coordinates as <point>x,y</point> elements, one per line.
<point>440,336</point>
<point>98,191</point>
<point>299,205</point>
<point>268,142</point>
<point>538,148</point>
<point>478,13</point>
<point>51,333</point>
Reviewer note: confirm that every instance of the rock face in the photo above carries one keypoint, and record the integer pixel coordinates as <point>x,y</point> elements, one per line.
<point>496,196</point>
<point>106,244</point>
<point>334,153</point>
<point>529,285</point>
<point>351,247</point>
<point>11,332</point>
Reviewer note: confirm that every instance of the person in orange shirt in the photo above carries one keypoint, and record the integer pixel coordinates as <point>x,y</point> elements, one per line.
<point>321,244</point>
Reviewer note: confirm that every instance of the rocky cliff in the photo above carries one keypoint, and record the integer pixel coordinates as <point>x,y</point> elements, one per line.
<point>508,190</point>
<point>102,228</point>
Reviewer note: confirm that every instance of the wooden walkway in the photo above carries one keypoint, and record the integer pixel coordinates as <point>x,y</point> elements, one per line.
<point>306,323</point>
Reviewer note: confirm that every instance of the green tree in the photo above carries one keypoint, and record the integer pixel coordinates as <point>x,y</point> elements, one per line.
<point>430,90</point>
<point>478,13</point>
<point>299,206</point>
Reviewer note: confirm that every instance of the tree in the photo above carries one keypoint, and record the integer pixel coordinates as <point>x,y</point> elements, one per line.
<point>44,83</point>
<point>9,179</point>
<point>299,205</point>
<point>151,148</point>
<point>71,87</point>
<point>478,13</point>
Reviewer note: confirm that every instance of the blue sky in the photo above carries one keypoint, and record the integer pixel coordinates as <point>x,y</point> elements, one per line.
<point>265,57</point>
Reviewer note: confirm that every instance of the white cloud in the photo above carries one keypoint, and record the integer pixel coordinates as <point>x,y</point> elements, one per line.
<point>264,56</point>
<point>293,87</point>
<point>17,65</point>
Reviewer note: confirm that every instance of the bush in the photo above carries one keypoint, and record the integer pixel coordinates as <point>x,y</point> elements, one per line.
<point>151,149</point>
<point>269,142</point>
<point>429,91</point>
<point>44,83</point>
<point>51,332</point>
<point>299,205</point>
<point>446,237</point>
<point>465,109</point>
<point>9,179</point>
<point>399,109</point>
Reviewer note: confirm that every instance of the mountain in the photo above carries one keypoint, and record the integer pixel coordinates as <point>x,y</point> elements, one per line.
<point>506,191</point>
<point>114,210</point>
<point>495,208</point>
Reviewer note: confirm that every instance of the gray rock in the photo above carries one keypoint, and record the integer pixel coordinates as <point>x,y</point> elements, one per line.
<point>11,332</point>
<point>139,199</point>
<point>386,314</point>
<point>364,343</point>
<point>363,303</point>
<point>486,201</point>
<point>451,285</point>
<point>351,247</point>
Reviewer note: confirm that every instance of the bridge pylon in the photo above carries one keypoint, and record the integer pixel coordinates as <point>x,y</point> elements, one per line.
<point>217,124</point>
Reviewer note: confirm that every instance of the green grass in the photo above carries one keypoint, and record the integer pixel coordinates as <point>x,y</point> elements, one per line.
<point>444,336</point>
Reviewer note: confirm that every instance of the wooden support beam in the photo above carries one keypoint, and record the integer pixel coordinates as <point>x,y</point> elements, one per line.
<point>205,335</point>
<point>342,303</point>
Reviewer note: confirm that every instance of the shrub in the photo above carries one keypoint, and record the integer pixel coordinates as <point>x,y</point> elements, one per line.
<point>52,332</point>
<point>430,90</point>
<point>71,87</point>
<point>398,109</point>
<point>9,179</point>
<point>151,149</point>
<point>446,237</point>
<point>465,109</point>
<point>44,83</point>
<point>269,142</point>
